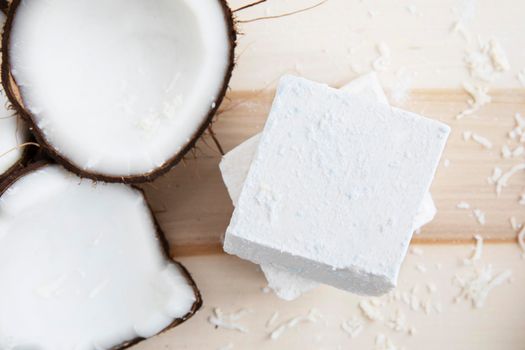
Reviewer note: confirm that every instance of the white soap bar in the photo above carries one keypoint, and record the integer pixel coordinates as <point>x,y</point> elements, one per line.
<point>334,187</point>
<point>286,285</point>
<point>234,167</point>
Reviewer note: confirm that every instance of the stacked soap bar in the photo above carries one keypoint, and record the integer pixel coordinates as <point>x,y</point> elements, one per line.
<point>236,163</point>
<point>335,186</point>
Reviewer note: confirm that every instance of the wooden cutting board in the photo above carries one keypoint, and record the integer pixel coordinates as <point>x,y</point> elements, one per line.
<point>194,209</point>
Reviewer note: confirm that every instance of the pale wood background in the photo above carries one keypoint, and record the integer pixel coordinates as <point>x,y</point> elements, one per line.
<point>333,44</point>
<point>194,209</point>
<point>325,44</point>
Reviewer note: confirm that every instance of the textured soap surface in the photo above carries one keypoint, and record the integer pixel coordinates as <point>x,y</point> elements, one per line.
<point>235,165</point>
<point>334,187</point>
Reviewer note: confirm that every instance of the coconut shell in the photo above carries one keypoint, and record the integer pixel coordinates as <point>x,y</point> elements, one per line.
<point>29,152</point>
<point>165,251</point>
<point>13,94</point>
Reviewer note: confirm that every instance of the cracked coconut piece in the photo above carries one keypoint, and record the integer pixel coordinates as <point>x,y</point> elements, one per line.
<point>84,265</point>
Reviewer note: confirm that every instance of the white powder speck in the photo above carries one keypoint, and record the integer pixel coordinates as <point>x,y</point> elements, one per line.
<point>416,251</point>
<point>412,9</point>
<point>398,321</point>
<point>480,216</point>
<point>521,76</point>
<point>514,223</point>
<point>431,287</point>
<point>383,61</point>
<point>506,152</point>
<point>518,151</point>
<point>463,205</point>
<point>421,268</point>
<point>228,346</point>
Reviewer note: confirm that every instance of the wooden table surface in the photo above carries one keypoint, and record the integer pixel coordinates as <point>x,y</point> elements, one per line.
<point>334,43</point>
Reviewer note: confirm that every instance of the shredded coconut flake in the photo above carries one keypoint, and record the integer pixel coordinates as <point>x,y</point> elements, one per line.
<point>427,306</point>
<point>483,141</point>
<point>415,303</point>
<point>384,343</point>
<point>514,223</point>
<point>412,9</point>
<point>478,250</point>
<point>382,62</point>
<point>488,62</point>
<point>401,88</point>
<point>370,311</point>
<point>352,327</point>
<point>496,174</point>
<point>520,121</point>
<point>506,152</point>
<point>312,317</point>
<point>521,240</point>
<point>479,98</point>
<point>480,216</point>
<point>228,321</point>
<point>398,322</point>
<point>504,178</point>
<point>521,76</point>
<point>476,287</point>
<point>272,319</point>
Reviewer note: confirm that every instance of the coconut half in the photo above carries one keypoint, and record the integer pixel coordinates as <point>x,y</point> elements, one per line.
<point>118,90</point>
<point>84,266</point>
<point>13,131</point>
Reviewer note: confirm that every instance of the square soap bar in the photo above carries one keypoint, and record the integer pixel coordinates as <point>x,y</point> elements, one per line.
<point>334,187</point>
<point>234,167</point>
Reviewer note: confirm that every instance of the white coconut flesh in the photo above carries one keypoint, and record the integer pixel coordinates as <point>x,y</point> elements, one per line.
<point>81,266</point>
<point>119,87</point>
<point>13,132</point>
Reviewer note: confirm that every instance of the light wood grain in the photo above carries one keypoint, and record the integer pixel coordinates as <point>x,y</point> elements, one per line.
<point>232,284</point>
<point>194,209</point>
